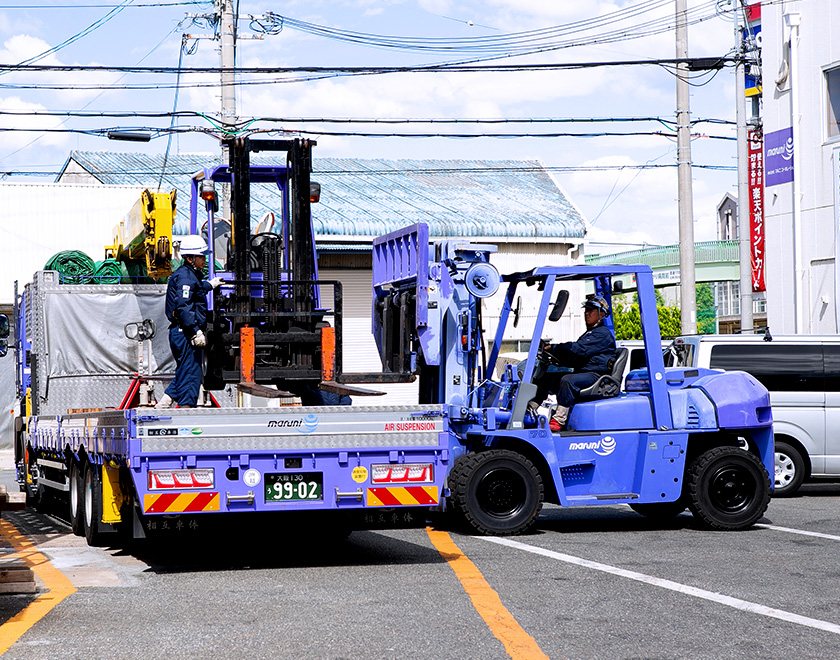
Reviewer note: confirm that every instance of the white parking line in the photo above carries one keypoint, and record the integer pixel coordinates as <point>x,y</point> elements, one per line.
<point>789,530</point>
<point>729,601</point>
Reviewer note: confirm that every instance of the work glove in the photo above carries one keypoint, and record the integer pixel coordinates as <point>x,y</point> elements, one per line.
<point>199,340</point>
<point>216,282</point>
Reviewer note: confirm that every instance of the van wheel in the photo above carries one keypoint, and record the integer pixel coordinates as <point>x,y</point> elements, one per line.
<point>790,470</point>
<point>728,488</point>
<point>497,492</point>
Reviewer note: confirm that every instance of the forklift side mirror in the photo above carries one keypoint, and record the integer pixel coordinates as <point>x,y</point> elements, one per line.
<point>4,325</point>
<point>618,286</point>
<point>517,310</point>
<point>559,305</point>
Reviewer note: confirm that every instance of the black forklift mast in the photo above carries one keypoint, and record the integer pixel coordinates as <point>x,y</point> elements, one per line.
<point>268,326</point>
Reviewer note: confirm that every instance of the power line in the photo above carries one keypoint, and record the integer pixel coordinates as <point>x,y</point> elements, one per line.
<point>111,6</point>
<point>696,62</point>
<point>419,171</point>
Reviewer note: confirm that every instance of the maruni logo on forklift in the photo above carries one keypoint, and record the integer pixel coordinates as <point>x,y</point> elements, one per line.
<point>603,447</point>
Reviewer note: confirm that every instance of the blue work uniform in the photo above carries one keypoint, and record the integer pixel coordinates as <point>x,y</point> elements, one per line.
<point>590,357</point>
<point>186,309</point>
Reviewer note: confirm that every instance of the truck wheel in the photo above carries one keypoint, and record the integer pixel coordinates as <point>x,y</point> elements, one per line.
<point>728,488</point>
<point>497,492</point>
<point>790,470</point>
<point>660,510</point>
<point>92,506</point>
<point>77,499</point>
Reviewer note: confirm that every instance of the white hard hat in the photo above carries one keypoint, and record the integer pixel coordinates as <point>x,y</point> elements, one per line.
<point>193,245</point>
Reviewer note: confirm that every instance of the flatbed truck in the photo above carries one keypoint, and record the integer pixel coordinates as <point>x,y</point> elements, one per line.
<point>665,440</point>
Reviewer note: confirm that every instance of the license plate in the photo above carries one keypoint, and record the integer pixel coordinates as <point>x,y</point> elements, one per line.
<point>294,486</point>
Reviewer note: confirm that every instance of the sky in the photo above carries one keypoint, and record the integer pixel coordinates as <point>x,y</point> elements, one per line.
<point>625,207</point>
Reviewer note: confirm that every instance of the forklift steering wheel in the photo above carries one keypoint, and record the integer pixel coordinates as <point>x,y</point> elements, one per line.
<point>547,358</point>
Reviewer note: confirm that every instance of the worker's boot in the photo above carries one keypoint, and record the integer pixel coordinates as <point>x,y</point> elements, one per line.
<point>165,402</point>
<point>558,419</point>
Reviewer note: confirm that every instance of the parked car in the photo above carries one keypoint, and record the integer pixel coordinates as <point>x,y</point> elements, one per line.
<point>802,374</point>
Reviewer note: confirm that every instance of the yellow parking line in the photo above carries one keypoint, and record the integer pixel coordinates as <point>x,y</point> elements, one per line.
<point>518,644</point>
<point>59,587</point>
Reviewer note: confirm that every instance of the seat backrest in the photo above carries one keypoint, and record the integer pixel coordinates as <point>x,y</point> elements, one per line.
<point>621,355</point>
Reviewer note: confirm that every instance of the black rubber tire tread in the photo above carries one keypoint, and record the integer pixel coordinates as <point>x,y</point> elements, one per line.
<point>92,482</point>
<point>798,469</point>
<point>466,477</point>
<point>77,483</point>
<point>660,510</point>
<point>755,490</point>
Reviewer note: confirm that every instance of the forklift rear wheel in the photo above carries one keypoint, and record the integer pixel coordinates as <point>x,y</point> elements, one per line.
<point>92,506</point>
<point>77,498</point>
<point>660,510</point>
<point>728,488</point>
<point>497,492</point>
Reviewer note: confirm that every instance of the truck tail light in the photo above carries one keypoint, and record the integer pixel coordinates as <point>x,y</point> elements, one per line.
<point>401,473</point>
<point>181,479</point>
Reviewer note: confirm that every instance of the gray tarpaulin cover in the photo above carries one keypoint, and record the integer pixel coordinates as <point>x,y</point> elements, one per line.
<point>85,334</point>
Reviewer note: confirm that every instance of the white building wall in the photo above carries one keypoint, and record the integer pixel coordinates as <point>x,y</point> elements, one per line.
<point>818,49</point>
<point>39,220</point>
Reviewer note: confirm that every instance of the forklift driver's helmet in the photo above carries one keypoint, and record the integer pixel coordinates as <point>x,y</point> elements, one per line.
<point>599,303</point>
<point>193,246</point>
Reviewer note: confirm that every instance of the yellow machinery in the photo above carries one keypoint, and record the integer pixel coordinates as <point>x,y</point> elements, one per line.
<point>145,234</point>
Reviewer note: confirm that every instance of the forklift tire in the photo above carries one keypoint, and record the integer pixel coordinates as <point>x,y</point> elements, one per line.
<point>77,500</point>
<point>497,492</point>
<point>660,510</point>
<point>92,506</point>
<point>728,488</point>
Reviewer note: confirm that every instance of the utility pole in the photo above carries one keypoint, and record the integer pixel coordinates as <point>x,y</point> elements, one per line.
<point>227,51</point>
<point>744,202</point>
<point>688,296</point>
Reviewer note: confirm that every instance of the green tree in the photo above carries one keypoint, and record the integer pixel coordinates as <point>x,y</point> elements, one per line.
<point>706,309</point>
<point>628,322</point>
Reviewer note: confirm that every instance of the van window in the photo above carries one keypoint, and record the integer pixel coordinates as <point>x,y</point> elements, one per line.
<point>831,355</point>
<point>779,367</point>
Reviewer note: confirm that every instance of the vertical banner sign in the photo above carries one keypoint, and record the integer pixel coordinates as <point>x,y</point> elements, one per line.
<point>778,157</point>
<point>752,34</point>
<point>756,183</point>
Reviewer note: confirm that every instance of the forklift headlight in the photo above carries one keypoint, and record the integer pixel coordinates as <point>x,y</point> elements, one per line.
<point>207,190</point>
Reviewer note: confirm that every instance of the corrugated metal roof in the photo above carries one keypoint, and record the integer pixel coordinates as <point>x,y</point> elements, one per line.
<point>362,199</point>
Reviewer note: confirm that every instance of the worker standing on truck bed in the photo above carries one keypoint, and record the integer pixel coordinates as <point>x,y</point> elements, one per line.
<point>590,357</point>
<point>186,309</point>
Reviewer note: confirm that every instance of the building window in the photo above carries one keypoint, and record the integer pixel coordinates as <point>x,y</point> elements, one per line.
<point>833,85</point>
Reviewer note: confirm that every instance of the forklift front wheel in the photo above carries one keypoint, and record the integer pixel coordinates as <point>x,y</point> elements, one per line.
<point>728,488</point>
<point>497,492</point>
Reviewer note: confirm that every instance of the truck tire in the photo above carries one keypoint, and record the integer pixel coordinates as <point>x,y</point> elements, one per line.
<point>497,492</point>
<point>77,500</point>
<point>92,506</point>
<point>660,510</point>
<point>790,470</point>
<point>728,488</point>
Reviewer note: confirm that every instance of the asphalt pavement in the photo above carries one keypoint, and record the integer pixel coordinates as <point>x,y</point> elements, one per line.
<point>590,583</point>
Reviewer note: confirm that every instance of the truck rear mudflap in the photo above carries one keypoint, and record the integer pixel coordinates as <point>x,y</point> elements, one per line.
<point>289,459</point>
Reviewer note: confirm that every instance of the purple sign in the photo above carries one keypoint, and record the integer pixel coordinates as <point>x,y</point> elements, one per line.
<point>778,157</point>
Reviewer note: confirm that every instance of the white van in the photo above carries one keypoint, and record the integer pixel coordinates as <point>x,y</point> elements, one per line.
<point>802,374</point>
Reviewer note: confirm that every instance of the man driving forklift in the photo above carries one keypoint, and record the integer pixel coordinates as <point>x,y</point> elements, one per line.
<point>588,358</point>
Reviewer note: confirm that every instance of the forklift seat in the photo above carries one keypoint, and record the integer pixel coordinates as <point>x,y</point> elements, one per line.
<point>609,384</point>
